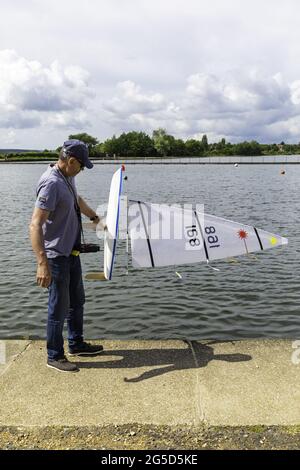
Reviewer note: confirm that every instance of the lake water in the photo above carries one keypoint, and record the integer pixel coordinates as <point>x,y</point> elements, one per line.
<point>249,298</point>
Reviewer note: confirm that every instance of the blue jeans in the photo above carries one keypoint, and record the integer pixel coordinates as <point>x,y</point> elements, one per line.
<point>66,300</point>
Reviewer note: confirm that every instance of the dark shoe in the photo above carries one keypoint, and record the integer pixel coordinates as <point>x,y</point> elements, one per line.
<point>63,365</point>
<point>86,349</point>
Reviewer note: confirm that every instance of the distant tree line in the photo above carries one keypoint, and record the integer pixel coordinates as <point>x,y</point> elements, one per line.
<point>161,144</point>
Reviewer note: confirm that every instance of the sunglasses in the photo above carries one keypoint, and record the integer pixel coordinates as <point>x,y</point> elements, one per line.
<point>81,165</point>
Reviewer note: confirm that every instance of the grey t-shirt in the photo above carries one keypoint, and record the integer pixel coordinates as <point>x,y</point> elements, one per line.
<point>62,229</point>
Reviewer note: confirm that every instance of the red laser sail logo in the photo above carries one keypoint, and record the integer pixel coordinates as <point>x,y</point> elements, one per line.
<point>242,234</point>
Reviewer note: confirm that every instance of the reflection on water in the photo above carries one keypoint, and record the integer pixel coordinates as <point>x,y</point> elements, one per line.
<point>248,298</point>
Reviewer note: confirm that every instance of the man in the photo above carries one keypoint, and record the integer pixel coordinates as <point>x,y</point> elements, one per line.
<point>55,232</point>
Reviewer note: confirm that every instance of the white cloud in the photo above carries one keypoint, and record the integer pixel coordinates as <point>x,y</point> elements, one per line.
<point>69,120</point>
<point>237,92</point>
<point>18,119</point>
<point>237,106</point>
<point>32,94</point>
<point>8,137</point>
<point>295,92</point>
<point>223,67</point>
<point>129,100</point>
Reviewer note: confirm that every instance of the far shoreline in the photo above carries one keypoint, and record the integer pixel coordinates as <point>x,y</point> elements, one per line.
<point>209,160</point>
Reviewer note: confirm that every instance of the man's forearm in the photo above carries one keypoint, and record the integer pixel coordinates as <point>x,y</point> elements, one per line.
<point>43,272</point>
<point>85,209</point>
<point>37,242</point>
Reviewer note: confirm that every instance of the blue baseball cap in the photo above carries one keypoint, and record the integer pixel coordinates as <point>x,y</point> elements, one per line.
<point>79,150</point>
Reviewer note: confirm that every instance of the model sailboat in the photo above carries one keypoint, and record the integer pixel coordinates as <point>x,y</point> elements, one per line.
<point>162,235</point>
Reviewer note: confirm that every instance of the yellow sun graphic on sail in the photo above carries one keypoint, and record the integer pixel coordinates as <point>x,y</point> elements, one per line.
<point>273,241</point>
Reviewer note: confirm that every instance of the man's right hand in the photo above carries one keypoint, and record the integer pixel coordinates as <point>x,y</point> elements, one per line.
<point>43,275</point>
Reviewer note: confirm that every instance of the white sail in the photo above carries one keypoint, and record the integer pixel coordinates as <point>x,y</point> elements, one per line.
<point>164,235</point>
<point>112,223</point>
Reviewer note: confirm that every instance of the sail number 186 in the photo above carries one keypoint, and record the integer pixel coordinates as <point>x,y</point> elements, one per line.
<point>192,234</point>
<point>210,232</point>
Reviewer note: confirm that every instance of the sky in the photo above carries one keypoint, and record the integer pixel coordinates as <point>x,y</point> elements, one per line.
<point>225,68</point>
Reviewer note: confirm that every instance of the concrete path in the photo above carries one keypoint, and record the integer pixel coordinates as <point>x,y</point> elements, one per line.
<point>153,382</point>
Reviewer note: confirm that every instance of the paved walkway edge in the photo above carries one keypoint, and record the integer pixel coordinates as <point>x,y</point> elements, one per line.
<point>169,383</point>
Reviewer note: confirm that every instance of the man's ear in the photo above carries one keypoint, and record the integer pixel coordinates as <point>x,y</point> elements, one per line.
<point>71,160</point>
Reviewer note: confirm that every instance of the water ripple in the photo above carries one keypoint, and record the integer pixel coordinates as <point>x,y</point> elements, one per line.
<point>248,298</point>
